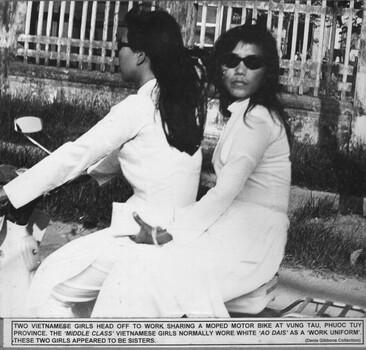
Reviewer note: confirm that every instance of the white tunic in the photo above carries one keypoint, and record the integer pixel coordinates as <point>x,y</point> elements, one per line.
<point>132,139</point>
<point>132,135</point>
<point>228,244</point>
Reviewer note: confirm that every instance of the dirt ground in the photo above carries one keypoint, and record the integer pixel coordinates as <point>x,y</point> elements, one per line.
<point>293,283</point>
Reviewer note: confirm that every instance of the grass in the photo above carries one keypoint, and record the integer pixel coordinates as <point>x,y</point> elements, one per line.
<point>73,201</point>
<point>314,241</point>
<point>62,121</point>
<point>79,202</point>
<point>312,168</point>
<point>341,171</point>
<point>18,156</point>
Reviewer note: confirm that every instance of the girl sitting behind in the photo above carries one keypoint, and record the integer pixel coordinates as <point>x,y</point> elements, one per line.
<point>232,241</point>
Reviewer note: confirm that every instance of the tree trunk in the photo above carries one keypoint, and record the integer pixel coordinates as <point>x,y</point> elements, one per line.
<point>12,17</point>
<point>185,12</point>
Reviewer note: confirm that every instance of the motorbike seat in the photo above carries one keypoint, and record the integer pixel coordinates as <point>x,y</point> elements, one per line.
<point>254,302</point>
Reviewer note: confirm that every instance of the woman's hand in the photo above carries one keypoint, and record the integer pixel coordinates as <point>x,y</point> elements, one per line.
<point>146,234</point>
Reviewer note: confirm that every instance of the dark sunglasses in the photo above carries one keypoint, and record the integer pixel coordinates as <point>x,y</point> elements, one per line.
<point>252,62</point>
<point>121,44</point>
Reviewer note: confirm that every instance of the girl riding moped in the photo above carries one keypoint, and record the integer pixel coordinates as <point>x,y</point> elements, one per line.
<point>153,137</point>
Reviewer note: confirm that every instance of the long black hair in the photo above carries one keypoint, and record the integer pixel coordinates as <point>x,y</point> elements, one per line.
<point>181,99</point>
<point>267,94</point>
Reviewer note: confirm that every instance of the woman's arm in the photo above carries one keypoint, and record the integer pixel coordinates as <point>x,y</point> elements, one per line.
<point>248,147</point>
<point>249,144</point>
<point>106,169</point>
<point>122,124</point>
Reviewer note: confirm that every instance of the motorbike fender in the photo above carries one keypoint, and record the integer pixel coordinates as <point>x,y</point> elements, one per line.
<point>30,253</point>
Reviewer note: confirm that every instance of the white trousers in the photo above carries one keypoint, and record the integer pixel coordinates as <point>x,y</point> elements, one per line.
<point>75,297</point>
<point>234,257</point>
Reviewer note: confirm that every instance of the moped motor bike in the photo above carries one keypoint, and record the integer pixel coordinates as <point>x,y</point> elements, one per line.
<point>21,231</point>
<point>258,304</point>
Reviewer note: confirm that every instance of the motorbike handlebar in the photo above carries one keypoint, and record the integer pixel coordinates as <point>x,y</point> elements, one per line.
<point>18,216</point>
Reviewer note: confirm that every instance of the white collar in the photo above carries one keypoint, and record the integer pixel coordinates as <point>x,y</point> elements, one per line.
<point>147,88</point>
<point>238,106</point>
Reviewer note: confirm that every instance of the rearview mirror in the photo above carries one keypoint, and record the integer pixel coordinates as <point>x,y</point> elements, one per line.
<point>28,125</point>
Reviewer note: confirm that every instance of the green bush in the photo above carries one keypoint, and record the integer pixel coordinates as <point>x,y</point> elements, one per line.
<point>350,167</point>
<point>340,171</point>
<point>312,168</point>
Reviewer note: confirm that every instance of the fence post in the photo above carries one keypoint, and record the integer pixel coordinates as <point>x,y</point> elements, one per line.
<point>185,12</point>
<point>360,88</point>
<point>331,48</point>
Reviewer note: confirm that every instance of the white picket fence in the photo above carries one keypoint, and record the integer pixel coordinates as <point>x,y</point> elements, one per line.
<point>316,55</point>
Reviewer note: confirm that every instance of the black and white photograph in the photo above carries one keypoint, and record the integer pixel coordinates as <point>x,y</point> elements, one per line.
<point>178,174</point>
